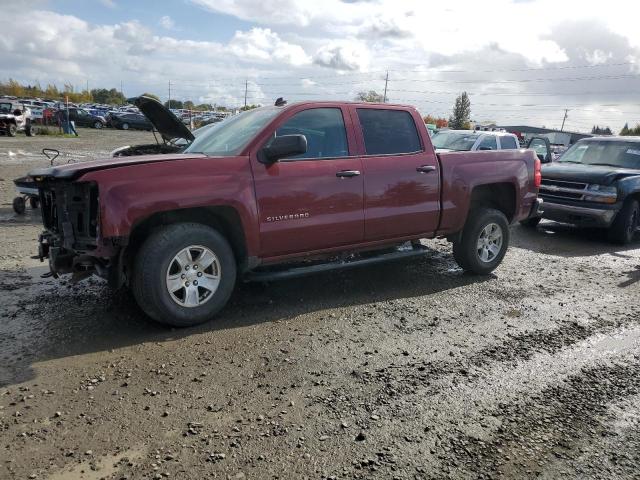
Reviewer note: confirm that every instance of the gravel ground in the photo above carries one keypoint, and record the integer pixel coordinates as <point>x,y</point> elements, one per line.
<point>408,370</point>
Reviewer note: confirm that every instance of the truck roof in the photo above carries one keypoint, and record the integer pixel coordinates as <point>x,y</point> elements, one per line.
<point>347,102</point>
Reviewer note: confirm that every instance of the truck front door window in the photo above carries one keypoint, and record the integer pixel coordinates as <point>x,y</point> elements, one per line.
<point>325,132</point>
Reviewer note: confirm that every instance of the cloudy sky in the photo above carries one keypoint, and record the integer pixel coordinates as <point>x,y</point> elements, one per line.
<point>522,61</point>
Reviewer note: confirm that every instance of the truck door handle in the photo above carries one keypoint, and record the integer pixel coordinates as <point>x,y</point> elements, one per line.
<point>426,169</point>
<point>347,173</point>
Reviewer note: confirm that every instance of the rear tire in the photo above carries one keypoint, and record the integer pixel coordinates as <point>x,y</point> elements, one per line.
<point>531,222</point>
<point>125,126</point>
<point>625,225</point>
<point>174,256</point>
<point>31,131</point>
<point>19,205</point>
<point>484,241</point>
<point>12,130</point>
<point>98,125</point>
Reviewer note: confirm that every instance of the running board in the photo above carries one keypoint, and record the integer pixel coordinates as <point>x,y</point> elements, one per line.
<point>267,275</point>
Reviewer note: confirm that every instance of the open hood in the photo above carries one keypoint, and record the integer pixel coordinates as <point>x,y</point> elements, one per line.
<point>71,171</point>
<point>163,120</point>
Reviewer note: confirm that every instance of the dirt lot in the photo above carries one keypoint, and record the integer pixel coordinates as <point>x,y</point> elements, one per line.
<point>407,370</point>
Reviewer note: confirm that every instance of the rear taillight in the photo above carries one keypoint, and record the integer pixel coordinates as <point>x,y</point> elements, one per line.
<point>537,176</point>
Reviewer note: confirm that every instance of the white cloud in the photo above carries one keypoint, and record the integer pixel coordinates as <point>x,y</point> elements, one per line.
<point>262,44</point>
<point>343,55</point>
<point>432,51</point>
<point>167,22</point>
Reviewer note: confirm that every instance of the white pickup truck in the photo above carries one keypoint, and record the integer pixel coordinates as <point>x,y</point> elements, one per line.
<point>15,118</point>
<point>472,140</point>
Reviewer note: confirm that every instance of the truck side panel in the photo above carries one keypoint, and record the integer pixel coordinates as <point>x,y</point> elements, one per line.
<point>464,171</point>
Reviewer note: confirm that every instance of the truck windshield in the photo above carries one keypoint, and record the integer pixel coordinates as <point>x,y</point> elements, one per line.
<point>458,141</point>
<point>232,135</point>
<point>619,154</point>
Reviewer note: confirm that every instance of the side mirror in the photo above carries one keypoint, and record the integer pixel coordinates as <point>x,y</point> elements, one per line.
<point>283,147</point>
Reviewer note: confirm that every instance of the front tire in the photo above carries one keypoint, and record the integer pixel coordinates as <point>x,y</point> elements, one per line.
<point>625,225</point>
<point>125,126</point>
<point>12,130</point>
<point>98,125</point>
<point>484,241</point>
<point>184,274</point>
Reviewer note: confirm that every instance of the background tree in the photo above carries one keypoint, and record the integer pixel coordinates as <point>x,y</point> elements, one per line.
<point>596,130</point>
<point>174,104</point>
<point>439,122</point>
<point>370,97</point>
<point>188,104</point>
<point>110,97</point>
<point>626,131</point>
<point>460,118</point>
<point>248,107</point>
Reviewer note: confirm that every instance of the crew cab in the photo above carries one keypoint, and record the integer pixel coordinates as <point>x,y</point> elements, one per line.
<point>595,183</point>
<point>276,192</point>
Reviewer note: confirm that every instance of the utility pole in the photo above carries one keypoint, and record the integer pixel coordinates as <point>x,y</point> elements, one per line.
<point>566,114</point>
<point>169,102</point>
<point>246,84</point>
<point>386,81</point>
<point>122,92</point>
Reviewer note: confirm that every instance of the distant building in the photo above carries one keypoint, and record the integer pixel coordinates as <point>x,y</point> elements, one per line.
<point>556,137</point>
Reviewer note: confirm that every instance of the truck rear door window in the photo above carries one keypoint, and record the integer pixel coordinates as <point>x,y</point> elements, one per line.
<point>388,132</point>
<point>508,143</point>
<point>488,143</point>
<point>325,132</point>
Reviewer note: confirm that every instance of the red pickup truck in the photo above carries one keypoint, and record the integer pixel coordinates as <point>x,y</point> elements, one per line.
<point>276,192</point>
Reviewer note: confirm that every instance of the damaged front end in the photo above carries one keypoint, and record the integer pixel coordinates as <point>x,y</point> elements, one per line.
<point>71,218</point>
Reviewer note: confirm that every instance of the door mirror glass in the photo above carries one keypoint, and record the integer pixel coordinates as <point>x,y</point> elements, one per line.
<point>283,147</point>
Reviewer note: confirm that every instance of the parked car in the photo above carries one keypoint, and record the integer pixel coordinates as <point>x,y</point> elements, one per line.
<point>175,135</point>
<point>472,140</point>
<point>595,183</point>
<point>125,121</point>
<point>15,118</point>
<point>83,118</point>
<point>278,192</point>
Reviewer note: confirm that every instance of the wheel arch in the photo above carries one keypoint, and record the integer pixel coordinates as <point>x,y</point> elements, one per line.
<point>224,219</point>
<point>500,196</point>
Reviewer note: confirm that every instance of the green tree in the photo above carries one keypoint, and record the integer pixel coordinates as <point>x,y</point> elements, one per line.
<point>109,97</point>
<point>188,104</point>
<point>460,118</point>
<point>248,107</point>
<point>370,97</point>
<point>625,130</point>
<point>174,104</point>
